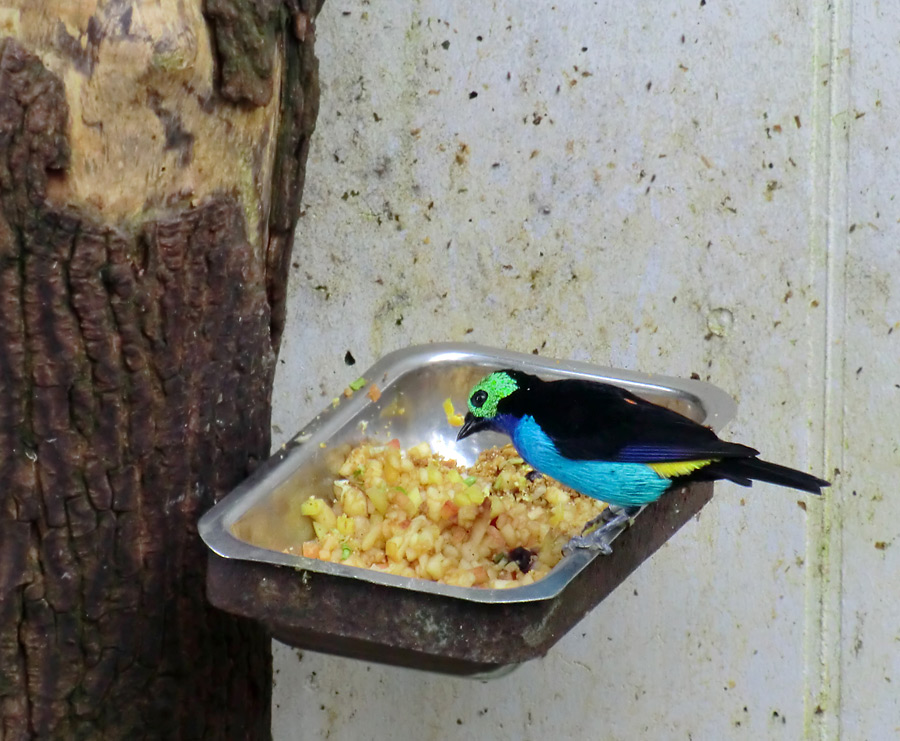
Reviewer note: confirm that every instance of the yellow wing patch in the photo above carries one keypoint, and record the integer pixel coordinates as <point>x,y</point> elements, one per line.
<point>672,469</point>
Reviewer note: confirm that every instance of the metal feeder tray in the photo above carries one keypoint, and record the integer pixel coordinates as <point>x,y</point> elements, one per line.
<point>356,612</point>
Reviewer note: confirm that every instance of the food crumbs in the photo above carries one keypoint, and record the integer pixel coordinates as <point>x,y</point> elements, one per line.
<point>374,393</point>
<point>413,513</point>
<point>453,419</point>
<point>358,384</point>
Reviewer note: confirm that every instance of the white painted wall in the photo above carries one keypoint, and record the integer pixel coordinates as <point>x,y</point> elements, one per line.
<point>625,170</point>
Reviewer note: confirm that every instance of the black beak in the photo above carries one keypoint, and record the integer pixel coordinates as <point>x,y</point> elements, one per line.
<point>473,424</point>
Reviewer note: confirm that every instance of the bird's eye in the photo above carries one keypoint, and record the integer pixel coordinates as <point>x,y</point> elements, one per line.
<point>478,398</point>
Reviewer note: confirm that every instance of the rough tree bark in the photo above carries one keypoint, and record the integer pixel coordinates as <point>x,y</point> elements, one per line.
<point>151,165</point>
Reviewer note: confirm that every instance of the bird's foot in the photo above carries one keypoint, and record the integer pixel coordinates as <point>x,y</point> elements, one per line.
<point>596,541</point>
<point>600,538</point>
<point>606,515</point>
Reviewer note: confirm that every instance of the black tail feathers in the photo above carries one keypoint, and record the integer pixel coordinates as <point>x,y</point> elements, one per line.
<point>745,470</point>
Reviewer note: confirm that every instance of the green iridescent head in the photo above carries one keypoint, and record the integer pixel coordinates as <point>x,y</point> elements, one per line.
<point>489,391</point>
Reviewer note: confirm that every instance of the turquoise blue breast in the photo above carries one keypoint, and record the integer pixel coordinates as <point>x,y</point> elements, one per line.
<point>622,484</point>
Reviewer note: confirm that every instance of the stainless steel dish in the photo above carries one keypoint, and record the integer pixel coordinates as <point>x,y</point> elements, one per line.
<point>414,384</point>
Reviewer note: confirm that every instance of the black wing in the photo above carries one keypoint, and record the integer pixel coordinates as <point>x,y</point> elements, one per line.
<point>597,421</point>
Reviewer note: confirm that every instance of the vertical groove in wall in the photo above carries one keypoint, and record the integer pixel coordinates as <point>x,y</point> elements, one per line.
<point>828,248</point>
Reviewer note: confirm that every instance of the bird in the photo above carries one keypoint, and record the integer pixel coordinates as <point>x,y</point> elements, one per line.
<point>607,443</point>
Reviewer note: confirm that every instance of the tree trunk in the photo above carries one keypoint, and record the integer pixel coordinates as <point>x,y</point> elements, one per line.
<point>151,165</point>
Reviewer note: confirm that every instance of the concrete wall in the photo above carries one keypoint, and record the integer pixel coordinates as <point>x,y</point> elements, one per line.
<point>676,187</point>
